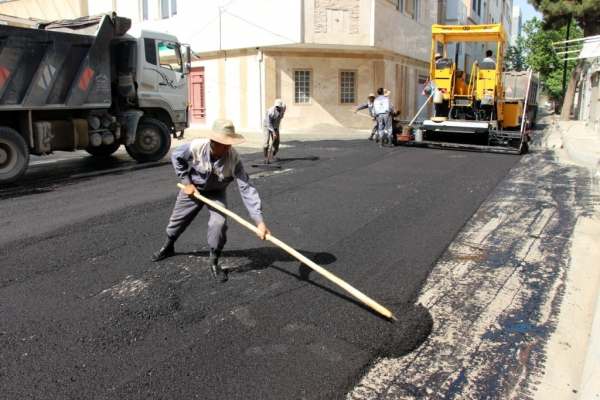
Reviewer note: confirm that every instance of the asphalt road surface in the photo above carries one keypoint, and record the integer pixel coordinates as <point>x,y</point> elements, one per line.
<point>84,313</point>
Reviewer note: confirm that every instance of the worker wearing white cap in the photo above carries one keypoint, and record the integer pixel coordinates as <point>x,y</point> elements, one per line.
<point>273,119</point>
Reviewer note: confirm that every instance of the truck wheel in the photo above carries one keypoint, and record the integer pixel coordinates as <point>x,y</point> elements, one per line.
<point>14,155</point>
<point>152,141</point>
<point>103,150</point>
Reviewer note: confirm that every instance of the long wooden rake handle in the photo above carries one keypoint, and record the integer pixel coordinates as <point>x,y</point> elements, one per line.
<point>317,268</point>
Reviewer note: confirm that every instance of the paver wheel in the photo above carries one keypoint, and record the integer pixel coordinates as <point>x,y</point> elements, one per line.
<point>152,141</point>
<point>14,155</point>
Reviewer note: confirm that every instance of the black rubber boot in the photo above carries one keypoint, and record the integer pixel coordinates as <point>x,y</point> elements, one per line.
<point>167,250</point>
<point>215,269</point>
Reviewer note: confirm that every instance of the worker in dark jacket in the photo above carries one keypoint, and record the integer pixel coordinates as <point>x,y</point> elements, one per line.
<point>209,166</point>
<point>369,105</point>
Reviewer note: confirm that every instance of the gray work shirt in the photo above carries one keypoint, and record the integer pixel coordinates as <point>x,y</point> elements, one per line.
<point>190,172</point>
<point>368,105</point>
<point>273,118</point>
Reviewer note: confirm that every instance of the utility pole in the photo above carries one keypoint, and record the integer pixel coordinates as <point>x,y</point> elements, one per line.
<point>220,13</point>
<point>564,81</point>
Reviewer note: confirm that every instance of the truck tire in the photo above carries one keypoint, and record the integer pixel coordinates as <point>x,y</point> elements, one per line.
<point>103,150</point>
<point>152,141</point>
<point>14,155</point>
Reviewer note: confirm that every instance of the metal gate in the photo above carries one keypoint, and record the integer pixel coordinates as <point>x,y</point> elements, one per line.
<point>197,101</point>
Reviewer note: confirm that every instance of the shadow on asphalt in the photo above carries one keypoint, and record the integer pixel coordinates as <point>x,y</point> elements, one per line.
<point>394,339</point>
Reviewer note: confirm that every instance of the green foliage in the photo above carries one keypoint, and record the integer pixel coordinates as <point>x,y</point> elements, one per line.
<point>557,13</point>
<point>542,58</point>
<point>515,57</point>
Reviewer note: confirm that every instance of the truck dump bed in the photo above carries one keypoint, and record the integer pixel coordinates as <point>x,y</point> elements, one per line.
<point>59,64</point>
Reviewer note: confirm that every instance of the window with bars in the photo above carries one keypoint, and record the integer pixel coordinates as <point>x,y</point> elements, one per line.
<point>347,87</point>
<point>302,86</point>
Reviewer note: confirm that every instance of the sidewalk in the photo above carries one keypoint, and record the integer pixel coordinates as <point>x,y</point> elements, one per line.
<point>579,143</point>
<point>579,140</point>
<point>254,139</point>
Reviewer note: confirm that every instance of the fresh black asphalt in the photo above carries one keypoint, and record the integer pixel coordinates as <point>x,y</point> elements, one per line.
<point>84,314</point>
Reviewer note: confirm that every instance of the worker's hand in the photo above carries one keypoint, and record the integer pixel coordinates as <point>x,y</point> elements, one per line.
<point>189,189</point>
<point>263,231</point>
<point>275,135</point>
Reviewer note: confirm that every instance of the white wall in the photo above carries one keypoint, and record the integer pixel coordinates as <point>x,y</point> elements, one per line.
<point>243,23</point>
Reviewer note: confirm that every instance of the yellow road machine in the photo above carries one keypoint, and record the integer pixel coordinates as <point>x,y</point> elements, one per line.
<point>475,109</point>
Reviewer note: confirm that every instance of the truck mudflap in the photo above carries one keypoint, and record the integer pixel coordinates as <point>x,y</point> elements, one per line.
<point>130,120</point>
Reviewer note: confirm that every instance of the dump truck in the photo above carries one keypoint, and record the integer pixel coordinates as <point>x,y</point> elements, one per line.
<point>482,107</point>
<point>91,84</point>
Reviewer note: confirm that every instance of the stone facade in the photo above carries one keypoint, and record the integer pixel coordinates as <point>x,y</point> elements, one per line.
<point>333,15</point>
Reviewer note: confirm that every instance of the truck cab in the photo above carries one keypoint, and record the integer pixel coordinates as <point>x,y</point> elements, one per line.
<point>89,84</point>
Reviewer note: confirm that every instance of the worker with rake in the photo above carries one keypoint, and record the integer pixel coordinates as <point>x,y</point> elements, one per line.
<point>208,166</point>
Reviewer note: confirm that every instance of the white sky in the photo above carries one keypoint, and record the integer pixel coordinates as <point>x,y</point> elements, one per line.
<point>527,10</point>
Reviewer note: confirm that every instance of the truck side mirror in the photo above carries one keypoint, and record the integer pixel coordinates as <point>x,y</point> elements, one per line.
<point>188,59</point>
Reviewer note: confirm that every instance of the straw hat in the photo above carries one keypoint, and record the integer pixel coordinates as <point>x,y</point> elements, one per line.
<point>387,92</point>
<point>223,132</point>
<point>372,95</point>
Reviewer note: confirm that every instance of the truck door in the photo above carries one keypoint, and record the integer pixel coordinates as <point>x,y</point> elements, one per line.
<point>164,83</point>
<point>172,78</point>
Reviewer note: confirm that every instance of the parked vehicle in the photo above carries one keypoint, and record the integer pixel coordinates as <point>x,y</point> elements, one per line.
<point>88,84</point>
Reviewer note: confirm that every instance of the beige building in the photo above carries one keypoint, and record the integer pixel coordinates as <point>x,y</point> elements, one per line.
<point>322,57</point>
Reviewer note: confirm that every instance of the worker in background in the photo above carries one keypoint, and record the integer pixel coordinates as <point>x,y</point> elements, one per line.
<point>273,119</point>
<point>208,166</point>
<point>382,108</point>
<point>369,105</point>
<point>488,62</point>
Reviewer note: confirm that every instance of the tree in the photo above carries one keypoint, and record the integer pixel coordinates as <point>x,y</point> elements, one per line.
<point>516,56</point>
<point>542,58</point>
<point>557,13</point>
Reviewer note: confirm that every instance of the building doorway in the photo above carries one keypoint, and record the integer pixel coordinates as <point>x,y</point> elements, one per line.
<point>196,95</point>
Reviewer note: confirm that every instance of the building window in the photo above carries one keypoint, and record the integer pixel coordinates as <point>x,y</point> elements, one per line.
<point>302,85</point>
<point>144,10</point>
<point>347,87</point>
<point>412,8</point>
<point>168,8</point>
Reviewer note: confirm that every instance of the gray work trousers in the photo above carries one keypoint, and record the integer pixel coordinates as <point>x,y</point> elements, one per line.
<point>268,136</point>
<point>384,126</point>
<point>374,129</point>
<point>185,210</point>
